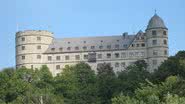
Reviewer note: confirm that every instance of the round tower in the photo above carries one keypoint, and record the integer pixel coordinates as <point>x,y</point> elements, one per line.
<point>30,46</point>
<point>157,42</point>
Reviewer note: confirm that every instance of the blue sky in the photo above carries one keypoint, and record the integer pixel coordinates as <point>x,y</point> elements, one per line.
<point>76,18</point>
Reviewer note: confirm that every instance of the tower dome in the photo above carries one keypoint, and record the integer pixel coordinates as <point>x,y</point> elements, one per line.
<point>156,22</point>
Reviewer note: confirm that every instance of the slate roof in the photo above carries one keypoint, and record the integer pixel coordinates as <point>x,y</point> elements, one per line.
<point>100,43</point>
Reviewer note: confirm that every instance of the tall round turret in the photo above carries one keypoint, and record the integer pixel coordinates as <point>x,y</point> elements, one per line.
<point>30,45</point>
<point>157,42</point>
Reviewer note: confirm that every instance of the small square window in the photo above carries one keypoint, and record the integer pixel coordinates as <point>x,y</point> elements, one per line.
<point>155,52</point>
<point>58,58</point>
<point>38,56</point>
<point>164,32</point>
<point>154,33</point>
<point>108,55</point>
<point>76,48</point>
<point>49,58</point>
<point>53,49</point>
<point>133,45</point>
<point>77,57</point>
<point>116,55</point>
<point>143,44</point>
<point>58,67</point>
<point>60,48</point>
<point>66,57</point>
<point>39,47</point>
<point>100,56</point>
<point>68,48</point>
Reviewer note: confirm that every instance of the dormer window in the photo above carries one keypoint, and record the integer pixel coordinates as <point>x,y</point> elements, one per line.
<point>53,49</point>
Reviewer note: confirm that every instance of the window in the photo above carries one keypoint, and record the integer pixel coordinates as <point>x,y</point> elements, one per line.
<point>58,58</point>
<point>131,54</point>
<point>165,52</point>
<point>164,32</point>
<point>49,58</point>
<point>154,42</point>
<point>84,41</point>
<point>31,66</point>
<point>116,55</point>
<point>154,33</point>
<point>137,45</point>
<point>66,57</point>
<point>68,42</point>
<point>116,64</point>
<point>23,57</point>
<point>123,64</point>
<point>68,48</point>
<point>137,54</point>
<point>38,56</point>
<point>57,67</point>
<point>85,48</point>
<point>125,45</point>
<point>117,40</point>
<point>117,46</point>
<point>100,56</point>
<point>23,47</point>
<point>39,38</point>
<point>132,45</point>
<point>60,48</point>
<point>23,38</point>
<point>76,48</point>
<point>123,55</point>
<point>85,56</point>
<point>142,54</point>
<point>92,47</point>
<point>165,42</point>
<point>143,44</point>
<point>155,52</point>
<point>77,57</point>
<point>108,55</point>
<point>109,46</point>
<point>154,62</point>
<point>100,47</point>
<point>39,47</point>
<point>53,49</point>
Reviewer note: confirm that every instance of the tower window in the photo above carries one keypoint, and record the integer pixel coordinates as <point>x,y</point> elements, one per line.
<point>38,38</point>
<point>23,38</point>
<point>164,32</point>
<point>39,47</point>
<point>137,45</point>
<point>154,33</point>
<point>23,57</point>
<point>49,58</point>
<point>143,44</point>
<point>165,52</point>
<point>155,52</point>
<point>23,47</point>
<point>165,42</point>
<point>57,67</point>
<point>154,42</point>
<point>38,56</point>
<point>132,45</point>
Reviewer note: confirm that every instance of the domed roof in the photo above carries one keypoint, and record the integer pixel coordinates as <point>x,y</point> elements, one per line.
<point>156,22</point>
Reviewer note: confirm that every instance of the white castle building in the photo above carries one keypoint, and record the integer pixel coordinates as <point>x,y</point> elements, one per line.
<point>37,48</point>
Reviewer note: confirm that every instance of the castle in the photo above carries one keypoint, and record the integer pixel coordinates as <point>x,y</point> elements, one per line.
<point>37,48</point>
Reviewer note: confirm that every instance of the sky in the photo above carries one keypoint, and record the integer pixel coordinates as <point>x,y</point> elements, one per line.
<point>78,18</point>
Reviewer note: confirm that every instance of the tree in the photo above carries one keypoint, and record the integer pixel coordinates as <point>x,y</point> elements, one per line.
<point>78,84</point>
<point>107,83</point>
<point>130,79</point>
